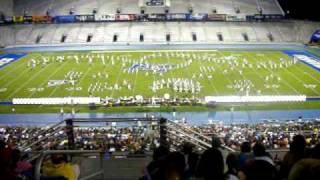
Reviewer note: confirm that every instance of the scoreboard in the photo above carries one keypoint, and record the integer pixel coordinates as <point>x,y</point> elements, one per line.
<point>155,2</point>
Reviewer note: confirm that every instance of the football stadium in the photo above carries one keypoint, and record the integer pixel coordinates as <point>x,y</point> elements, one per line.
<point>159,89</point>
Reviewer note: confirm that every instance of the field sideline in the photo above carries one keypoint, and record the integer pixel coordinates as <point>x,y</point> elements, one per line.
<point>211,69</point>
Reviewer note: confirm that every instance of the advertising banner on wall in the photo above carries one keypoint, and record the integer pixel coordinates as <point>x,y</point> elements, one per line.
<point>64,19</point>
<point>105,17</point>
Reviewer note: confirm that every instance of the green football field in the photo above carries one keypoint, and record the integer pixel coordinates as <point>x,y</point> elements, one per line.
<point>156,73</point>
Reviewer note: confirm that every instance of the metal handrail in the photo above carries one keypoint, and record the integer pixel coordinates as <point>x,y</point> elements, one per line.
<point>43,132</point>
<point>184,138</point>
<point>277,150</point>
<point>73,152</point>
<point>194,132</point>
<point>205,144</point>
<point>82,120</point>
<point>40,140</point>
<point>200,135</point>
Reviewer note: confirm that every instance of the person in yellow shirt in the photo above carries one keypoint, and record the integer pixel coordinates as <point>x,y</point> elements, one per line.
<point>58,166</point>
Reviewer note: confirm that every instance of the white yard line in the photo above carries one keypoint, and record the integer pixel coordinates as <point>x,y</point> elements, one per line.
<point>297,78</point>
<point>253,58</point>
<point>304,72</point>
<point>117,80</point>
<point>284,82</point>
<point>15,78</point>
<point>294,76</point>
<point>83,77</point>
<point>227,77</point>
<point>47,79</point>
<point>170,76</point>
<point>134,84</point>
<point>215,89</point>
<point>26,82</point>
<point>105,71</point>
<point>13,69</point>
<point>57,87</point>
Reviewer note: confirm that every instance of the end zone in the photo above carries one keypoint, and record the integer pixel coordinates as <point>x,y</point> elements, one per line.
<point>7,59</point>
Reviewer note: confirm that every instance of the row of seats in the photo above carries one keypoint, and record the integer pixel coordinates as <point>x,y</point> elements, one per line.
<point>158,32</point>
<point>18,7</point>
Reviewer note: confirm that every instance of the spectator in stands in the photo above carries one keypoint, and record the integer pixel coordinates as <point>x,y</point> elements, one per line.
<point>170,168</point>
<point>191,159</point>
<point>296,153</point>
<point>5,155</point>
<point>305,169</point>
<point>315,153</point>
<point>259,153</point>
<point>153,168</point>
<point>260,168</point>
<point>58,166</point>
<point>19,166</point>
<point>245,154</point>
<point>174,166</point>
<point>232,164</point>
<point>211,165</point>
<point>216,142</point>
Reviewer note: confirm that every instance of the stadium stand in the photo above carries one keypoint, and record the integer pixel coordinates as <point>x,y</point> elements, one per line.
<point>288,31</point>
<point>120,152</point>
<point>6,7</point>
<point>155,32</point>
<point>61,7</point>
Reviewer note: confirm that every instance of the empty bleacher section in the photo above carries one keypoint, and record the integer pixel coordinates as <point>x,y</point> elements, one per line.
<point>6,7</point>
<point>211,21</point>
<point>61,7</point>
<point>156,32</point>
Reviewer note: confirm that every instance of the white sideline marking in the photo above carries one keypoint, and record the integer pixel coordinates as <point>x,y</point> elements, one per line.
<point>242,99</point>
<point>162,50</point>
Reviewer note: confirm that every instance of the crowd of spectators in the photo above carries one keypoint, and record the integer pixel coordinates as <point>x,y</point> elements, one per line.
<point>251,163</point>
<point>123,139</point>
<point>13,164</point>
<point>273,135</point>
<point>133,138</point>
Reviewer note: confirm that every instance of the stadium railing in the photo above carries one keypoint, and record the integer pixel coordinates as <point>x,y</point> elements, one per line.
<point>196,138</point>
<point>176,130</point>
<point>46,134</point>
